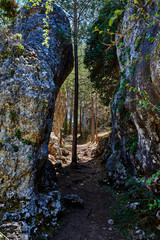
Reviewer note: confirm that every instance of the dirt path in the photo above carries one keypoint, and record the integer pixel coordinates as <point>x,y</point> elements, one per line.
<point>90,222</point>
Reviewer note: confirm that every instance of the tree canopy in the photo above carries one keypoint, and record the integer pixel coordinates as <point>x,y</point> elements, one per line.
<point>103,65</point>
<point>8,10</point>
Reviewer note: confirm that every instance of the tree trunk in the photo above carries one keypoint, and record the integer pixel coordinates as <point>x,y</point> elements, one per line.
<point>96,120</point>
<point>74,144</point>
<point>71,111</point>
<point>66,124</point>
<point>92,120</point>
<point>80,120</point>
<point>60,138</point>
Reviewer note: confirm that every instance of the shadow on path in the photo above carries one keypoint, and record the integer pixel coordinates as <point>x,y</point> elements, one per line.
<point>90,222</point>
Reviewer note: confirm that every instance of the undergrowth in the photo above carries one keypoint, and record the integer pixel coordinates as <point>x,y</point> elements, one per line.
<point>128,220</point>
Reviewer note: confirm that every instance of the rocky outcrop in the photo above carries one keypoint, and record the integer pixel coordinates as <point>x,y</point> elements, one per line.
<point>60,112</point>
<point>57,153</point>
<point>135,140</point>
<point>30,77</point>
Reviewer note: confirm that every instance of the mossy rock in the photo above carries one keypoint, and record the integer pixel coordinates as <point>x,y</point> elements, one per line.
<point>18,50</point>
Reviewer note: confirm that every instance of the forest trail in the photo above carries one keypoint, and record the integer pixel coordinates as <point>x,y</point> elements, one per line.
<point>91,221</point>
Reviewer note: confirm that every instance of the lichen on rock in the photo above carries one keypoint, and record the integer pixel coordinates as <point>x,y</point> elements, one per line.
<point>30,77</point>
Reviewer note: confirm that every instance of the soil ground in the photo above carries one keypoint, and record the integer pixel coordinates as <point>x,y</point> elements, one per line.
<point>91,221</point>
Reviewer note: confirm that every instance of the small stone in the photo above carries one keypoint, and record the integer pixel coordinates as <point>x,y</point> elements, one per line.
<point>152,236</point>
<point>110,229</point>
<point>65,152</point>
<point>73,200</point>
<point>58,164</point>
<point>158,215</point>
<point>109,174</point>
<point>158,227</point>
<point>25,236</point>
<point>85,153</point>
<point>134,205</point>
<point>140,235</point>
<point>93,153</point>
<point>2,205</point>
<point>110,222</point>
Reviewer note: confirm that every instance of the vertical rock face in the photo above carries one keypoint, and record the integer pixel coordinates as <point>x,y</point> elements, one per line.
<point>60,112</point>
<point>30,77</point>
<point>135,121</point>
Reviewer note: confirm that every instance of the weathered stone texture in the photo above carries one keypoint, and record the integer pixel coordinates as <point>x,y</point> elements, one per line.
<point>60,112</point>
<point>30,77</point>
<point>136,138</point>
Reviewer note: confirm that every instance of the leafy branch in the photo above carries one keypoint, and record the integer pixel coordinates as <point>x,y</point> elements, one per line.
<point>3,236</point>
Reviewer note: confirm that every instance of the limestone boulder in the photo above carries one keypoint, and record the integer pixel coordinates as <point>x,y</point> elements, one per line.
<point>101,146</point>
<point>30,77</point>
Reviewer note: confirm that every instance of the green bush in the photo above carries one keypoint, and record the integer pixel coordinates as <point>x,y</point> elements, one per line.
<point>18,50</point>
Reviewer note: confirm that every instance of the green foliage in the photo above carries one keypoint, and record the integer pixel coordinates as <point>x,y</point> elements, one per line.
<point>6,53</point>
<point>102,65</point>
<point>11,48</point>
<point>18,50</point>
<point>18,133</point>
<point>133,67</point>
<point>48,4</point>
<point>18,36</point>
<point>143,100</point>
<point>15,148</point>
<point>126,218</point>
<point>155,203</point>
<point>153,180</point>
<point>3,236</point>
<point>12,115</point>
<point>117,13</point>
<point>1,143</point>
<point>119,105</point>
<point>131,144</point>
<point>28,142</point>
<point>8,11</point>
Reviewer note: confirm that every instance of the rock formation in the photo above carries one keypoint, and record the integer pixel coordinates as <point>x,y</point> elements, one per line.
<point>60,113</point>
<point>30,77</point>
<point>135,139</point>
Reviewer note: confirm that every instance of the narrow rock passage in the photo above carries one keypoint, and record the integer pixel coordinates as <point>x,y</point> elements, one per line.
<point>90,222</point>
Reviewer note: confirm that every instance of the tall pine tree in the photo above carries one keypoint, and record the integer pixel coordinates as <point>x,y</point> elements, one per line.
<point>81,13</point>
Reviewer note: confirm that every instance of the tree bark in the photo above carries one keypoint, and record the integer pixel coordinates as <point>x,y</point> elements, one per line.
<point>74,144</point>
<point>80,120</point>
<point>92,120</point>
<point>60,138</point>
<point>66,124</point>
<point>96,120</point>
<point>71,111</point>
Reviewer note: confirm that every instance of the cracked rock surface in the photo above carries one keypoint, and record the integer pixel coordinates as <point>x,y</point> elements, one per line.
<point>30,76</point>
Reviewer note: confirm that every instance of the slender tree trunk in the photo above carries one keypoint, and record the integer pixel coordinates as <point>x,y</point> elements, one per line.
<point>66,124</point>
<point>80,120</point>
<point>74,144</point>
<point>71,115</point>
<point>92,123</point>
<point>96,120</point>
<point>60,138</point>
